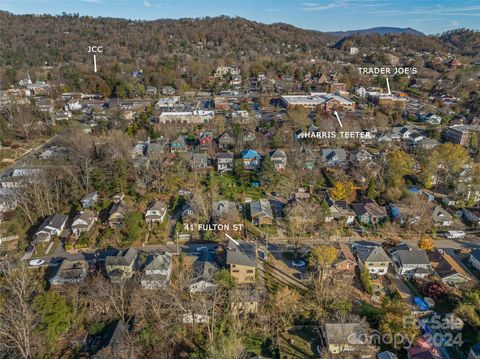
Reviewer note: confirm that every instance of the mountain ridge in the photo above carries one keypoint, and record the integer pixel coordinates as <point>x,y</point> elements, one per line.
<point>382,30</point>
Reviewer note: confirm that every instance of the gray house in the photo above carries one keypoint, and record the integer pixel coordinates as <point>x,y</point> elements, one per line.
<point>52,226</point>
<point>333,156</point>
<point>69,272</point>
<point>89,200</point>
<point>156,271</point>
<point>279,159</point>
<point>412,263</point>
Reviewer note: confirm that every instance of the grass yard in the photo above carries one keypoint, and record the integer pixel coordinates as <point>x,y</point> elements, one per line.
<point>41,248</point>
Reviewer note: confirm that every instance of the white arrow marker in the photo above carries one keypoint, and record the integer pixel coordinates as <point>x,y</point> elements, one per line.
<point>338,118</point>
<point>388,86</point>
<point>95,63</point>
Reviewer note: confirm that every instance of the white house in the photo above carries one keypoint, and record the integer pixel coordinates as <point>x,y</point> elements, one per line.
<point>156,212</point>
<point>52,226</point>
<point>412,262</point>
<point>375,259</point>
<point>83,222</point>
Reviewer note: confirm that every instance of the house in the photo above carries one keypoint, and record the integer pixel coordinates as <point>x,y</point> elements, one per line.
<point>156,212</point>
<point>361,156</point>
<point>261,212</point>
<point>118,197</point>
<point>225,141</point>
<point>424,349</point>
<point>279,159</point>
<point>69,272</point>
<point>52,226</point>
<point>89,200</point>
<point>333,156</point>
<point>242,260</point>
<point>374,259</point>
<point>224,162</point>
<point>244,300</point>
<point>342,337</point>
<point>156,147</point>
<point>339,211</point>
<point>205,139</point>
<point>412,263</point>
<point>472,215</point>
<point>122,265</point>
<point>117,214</point>
<point>345,260</point>
<point>251,159</point>
<point>474,258</point>
<point>156,271</point>
<point>198,161</point>
<point>178,145</point>
<point>248,136</point>
<point>110,343</point>
<point>203,276</point>
<point>441,217</point>
<point>83,222</point>
<point>225,212</point>
<point>168,91</point>
<point>369,212</point>
<point>151,90</point>
<point>447,268</point>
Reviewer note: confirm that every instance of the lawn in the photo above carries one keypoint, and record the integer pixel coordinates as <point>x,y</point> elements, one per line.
<point>300,343</point>
<point>41,248</point>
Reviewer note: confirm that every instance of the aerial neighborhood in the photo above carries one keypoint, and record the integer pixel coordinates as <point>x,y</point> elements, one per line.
<point>213,199</point>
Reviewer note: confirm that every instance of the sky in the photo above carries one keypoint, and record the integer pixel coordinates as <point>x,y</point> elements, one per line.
<point>430,17</point>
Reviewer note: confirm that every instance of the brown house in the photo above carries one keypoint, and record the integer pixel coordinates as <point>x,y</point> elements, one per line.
<point>345,260</point>
<point>242,260</point>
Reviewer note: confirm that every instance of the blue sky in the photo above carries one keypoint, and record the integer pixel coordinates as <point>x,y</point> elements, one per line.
<point>326,15</point>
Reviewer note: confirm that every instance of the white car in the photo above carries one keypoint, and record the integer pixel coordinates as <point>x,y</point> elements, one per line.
<point>454,234</point>
<point>202,249</point>
<point>36,262</point>
<point>298,263</point>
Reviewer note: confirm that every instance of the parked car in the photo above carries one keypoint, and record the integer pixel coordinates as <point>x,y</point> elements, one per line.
<point>298,263</point>
<point>36,262</point>
<point>454,234</point>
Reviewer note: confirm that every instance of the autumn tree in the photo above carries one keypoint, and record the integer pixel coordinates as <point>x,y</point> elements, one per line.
<point>426,244</point>
<point>344,190</point>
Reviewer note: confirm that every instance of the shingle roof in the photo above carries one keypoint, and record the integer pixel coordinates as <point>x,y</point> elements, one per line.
<point>261,206</point>
<point>373,254</point>
<point>412,256</point>
<point>125,258</point>
<point>242,253</point>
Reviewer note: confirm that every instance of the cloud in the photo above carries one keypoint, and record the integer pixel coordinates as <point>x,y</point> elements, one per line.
<point>320,7</point>
<point>455,23</point>
<point>93,1</point>
<point>345,4</point>
<point>147,4</point>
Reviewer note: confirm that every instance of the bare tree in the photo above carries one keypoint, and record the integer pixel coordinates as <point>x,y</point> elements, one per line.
<point>17,319</point>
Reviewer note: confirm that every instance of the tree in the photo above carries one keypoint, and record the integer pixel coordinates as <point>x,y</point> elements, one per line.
<point>392,321</point>
<point>427,244</point>
<point>399,164</point>
<point>321,258</point>
<point>344,190</point>
<point>366,280</point>
<point>372,189</point>
<point>446,160</point>
<point>55,316</point>
<point>18,321</point>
